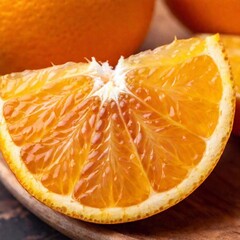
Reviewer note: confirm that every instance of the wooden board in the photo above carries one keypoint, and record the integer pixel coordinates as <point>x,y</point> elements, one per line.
<point>211,212</point>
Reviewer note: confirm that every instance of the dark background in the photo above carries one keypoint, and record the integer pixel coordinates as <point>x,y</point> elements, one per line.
<point>17,223</point>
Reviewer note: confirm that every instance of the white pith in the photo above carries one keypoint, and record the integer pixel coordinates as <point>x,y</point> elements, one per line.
<point>115,80</point>
<point>111,90</point>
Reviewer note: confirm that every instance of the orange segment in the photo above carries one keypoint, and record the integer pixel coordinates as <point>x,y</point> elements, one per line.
<point>168,55</point>
<point>54,159</point>
<point>114,145</point>
<point>32,116</point>
<point>113,175</point>
<point>183,92</point>
<point>18,84</point>
<point>165,149</point>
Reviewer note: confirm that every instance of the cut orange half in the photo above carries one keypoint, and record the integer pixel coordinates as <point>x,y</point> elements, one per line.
<point>116,145</point>
<point>232,46</point>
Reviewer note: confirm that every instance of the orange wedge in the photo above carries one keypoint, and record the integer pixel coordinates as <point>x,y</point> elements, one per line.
<point>232,46</point>
<point>116,145</point>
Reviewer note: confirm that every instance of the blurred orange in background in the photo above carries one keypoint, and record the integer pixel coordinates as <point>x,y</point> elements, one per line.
<point>35,34</point>
<point>208,16</point>
<point>232,46</point>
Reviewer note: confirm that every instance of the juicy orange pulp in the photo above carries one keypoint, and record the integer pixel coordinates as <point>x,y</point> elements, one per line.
<point>118,152</point>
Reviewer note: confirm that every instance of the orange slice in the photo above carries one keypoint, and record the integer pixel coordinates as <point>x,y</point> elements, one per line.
<point>116,145</point>
<point>232,46</point>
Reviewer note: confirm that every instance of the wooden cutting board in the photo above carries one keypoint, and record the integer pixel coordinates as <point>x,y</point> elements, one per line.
<point>211,212</point>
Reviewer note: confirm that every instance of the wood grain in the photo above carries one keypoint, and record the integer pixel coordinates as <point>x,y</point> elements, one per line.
<point>211,212</point>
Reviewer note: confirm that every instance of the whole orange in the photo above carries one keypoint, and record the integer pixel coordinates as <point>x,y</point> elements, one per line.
<point>208,15</point>
<point>36,34</point>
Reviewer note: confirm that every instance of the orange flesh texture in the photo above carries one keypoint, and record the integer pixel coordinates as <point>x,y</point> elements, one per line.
<point>116,153</point>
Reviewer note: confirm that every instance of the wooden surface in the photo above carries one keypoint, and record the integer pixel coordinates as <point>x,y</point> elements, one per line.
<point>211,212</point>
